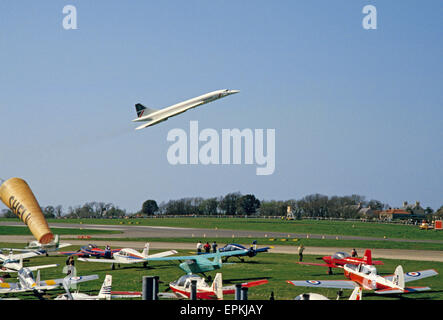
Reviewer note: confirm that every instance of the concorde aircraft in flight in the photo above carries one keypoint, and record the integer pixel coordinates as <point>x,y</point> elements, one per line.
<point>155,116</point>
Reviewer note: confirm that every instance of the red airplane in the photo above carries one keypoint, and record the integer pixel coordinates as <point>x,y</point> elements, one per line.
<point>339,259</point>
<point>366,277</point>
<point>182,288</point>
<point>92,250</point>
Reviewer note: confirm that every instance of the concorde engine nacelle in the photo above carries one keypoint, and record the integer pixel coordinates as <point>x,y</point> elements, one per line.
<point>17,196</point>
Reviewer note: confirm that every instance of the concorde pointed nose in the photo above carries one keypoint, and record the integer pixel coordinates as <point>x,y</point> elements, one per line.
<point>233,91</point>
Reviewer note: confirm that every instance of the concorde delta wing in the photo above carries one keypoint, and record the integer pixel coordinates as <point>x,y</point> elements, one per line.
<point>166,116</point>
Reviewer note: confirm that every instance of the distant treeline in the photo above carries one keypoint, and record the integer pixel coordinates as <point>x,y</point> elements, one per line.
<point>232,204</point>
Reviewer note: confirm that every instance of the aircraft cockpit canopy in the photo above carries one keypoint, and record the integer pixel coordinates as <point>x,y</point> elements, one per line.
<point>362,268</point>
<point>186,278</point>
<point>368,269</point>
<point>26,273</point>
<point>232,247</point>
<point>341,255</point>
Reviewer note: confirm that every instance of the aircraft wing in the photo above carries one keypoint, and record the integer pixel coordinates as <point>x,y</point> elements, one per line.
<point>162,254</point>
<point>134,260</point>
<point>231,289</point>
<point>338,284</point>
<point>6,287</point>
<point>34,268</point>
<point>168,115</point>
<point>16,249</point>
<point>72,280</point>
<point>171,295</point>
<point>72,253</point>
<point>415,275</point>
<point>28,254</point>
<point>101,260</point>
<point>200,256</point>
<point>405,290</point>
<point>151,123</point>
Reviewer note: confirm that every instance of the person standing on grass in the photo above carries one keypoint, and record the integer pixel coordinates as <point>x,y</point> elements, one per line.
<point>301,248</point>
<point>199,247</point>
<point>207,247</point>
<point>214,247</point>
<point>354,253</point>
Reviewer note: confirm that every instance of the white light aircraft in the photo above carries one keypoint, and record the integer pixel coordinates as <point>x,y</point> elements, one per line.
<point>366,276</point>
<point>131,256</point>
<point>44,248</point>
<point>27,282</point>
<point>15,258</point>
<point>15,266</point>
<point>355,295</point>
<point>105,292</point>
<point>52,246</point>
<point>154,116</point>
<point>182,287</point>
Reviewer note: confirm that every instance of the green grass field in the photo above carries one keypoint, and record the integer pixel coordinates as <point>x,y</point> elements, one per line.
<point>277,268</point>
<point>17,231</point>
<point>321,227</point>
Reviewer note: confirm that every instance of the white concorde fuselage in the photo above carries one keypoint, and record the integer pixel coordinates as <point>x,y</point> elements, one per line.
<point>178,108</point>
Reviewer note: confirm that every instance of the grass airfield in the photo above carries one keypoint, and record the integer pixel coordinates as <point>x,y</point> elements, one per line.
<point>276,267</point>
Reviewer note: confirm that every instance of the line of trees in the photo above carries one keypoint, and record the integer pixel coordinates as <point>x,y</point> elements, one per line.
<point>88,210</point>
<point>236,204</point>
<point>232,204</point>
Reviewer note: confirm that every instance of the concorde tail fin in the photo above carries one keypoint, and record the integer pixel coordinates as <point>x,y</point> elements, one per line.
<point>142,110</point>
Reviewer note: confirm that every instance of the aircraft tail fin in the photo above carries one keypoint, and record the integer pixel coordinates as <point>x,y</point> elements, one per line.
<point>399,277</point>
<point>217,286</point>
<point>356,294</point>
<point>105,291</point>
<point>145,252</point>
<point>218,258</point>
<point>367,258</point>
<point>142,110</point>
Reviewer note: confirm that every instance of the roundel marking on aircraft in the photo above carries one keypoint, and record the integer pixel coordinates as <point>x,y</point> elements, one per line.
<point>314,282</point>
<point>413,274</point>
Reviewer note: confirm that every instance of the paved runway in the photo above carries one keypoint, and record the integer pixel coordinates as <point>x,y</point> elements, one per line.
<point>136,231</point>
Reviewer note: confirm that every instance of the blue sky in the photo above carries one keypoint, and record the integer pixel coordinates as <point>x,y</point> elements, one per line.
<point>355,111</point>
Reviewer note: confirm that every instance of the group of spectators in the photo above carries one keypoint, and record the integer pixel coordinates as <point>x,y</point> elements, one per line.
<point>206,248</point>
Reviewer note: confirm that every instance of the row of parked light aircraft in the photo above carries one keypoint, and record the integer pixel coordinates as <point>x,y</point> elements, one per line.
<point>361,273</point>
